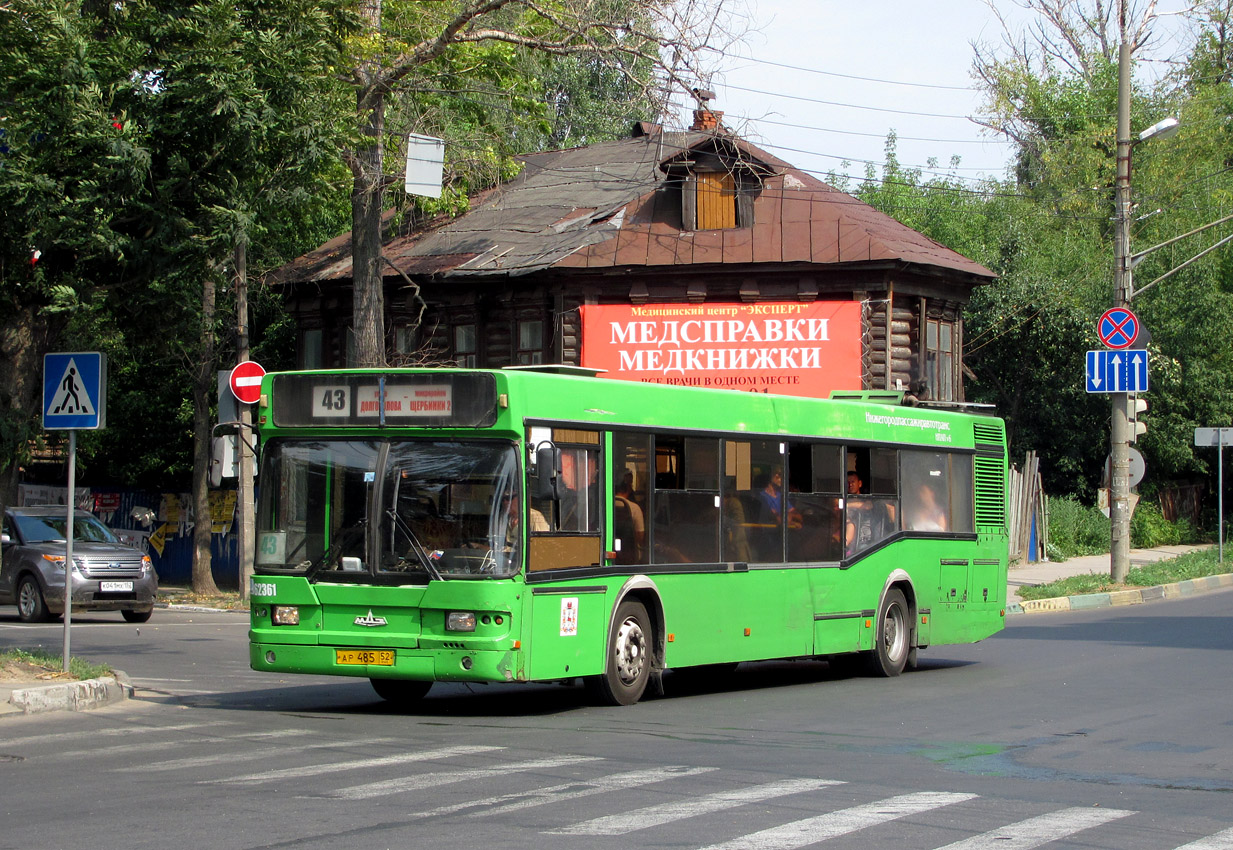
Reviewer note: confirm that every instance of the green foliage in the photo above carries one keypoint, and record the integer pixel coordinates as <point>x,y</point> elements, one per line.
<point>1075,529</point>
<point>1149,528</point>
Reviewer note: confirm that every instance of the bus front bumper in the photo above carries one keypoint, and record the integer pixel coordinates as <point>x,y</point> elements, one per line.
<point>442,665</point>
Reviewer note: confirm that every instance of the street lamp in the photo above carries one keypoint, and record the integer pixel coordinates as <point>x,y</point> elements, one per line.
<point>1123,291</point>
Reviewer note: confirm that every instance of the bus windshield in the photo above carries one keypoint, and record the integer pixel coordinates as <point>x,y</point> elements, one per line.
<point>394,510</point>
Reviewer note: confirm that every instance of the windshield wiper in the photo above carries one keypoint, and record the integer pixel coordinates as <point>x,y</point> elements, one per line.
<point>417,548</point>
<point>323,560</point>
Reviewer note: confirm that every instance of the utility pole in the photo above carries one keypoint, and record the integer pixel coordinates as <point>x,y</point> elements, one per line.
<point>1119,478</point>
<point>244,501</point>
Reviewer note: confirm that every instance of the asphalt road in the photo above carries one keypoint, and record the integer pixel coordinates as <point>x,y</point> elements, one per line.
<point>1095,729</point>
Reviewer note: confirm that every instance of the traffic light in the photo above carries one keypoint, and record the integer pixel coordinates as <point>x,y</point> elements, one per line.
<point>1138,406</point>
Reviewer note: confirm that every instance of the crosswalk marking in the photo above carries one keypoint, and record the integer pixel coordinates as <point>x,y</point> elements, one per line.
<point>1222,840</point>
<point>253,755</point>
<point>435,780</point>
<point>812,830</point>
<point>355,764</point>
<point>681,809</point>
<point>1036,831</point>
<point>517,800</point>
<point>94,734</point>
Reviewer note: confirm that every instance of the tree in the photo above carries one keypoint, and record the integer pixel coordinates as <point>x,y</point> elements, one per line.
<point>404,42</point>
<point>64,160</point>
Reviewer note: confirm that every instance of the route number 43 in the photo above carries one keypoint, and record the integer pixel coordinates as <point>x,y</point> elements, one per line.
<point>331,401</point>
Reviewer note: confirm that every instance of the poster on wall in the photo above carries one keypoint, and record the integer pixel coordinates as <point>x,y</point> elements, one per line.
<point>790,348</point>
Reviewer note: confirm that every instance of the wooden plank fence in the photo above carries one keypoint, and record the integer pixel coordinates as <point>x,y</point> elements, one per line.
<point>1026,501</point>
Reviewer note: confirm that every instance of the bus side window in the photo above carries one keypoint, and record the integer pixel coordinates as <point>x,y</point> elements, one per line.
<point>815,482</point>
<point>686,527</point>
<point>871,509</point>
<point>631,484</point>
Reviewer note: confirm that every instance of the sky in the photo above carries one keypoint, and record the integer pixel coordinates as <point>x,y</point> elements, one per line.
<point>781,87</point>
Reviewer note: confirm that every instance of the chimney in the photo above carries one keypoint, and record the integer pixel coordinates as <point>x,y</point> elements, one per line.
<point>706,120</point>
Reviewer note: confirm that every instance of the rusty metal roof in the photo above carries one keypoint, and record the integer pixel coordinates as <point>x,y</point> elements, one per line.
<point>617,205</point>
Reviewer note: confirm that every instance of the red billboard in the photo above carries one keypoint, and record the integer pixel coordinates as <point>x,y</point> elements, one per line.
<point>790,348</point>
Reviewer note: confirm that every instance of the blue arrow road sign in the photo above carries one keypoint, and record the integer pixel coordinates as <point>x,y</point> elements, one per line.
<point>1117,371</point>
<point>75,390</point>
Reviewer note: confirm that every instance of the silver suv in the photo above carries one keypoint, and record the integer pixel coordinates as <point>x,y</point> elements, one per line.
<point>107,575</point>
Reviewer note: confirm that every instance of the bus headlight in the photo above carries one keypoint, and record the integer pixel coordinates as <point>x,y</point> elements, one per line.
<point>460,621</point>
<point>285,615</point>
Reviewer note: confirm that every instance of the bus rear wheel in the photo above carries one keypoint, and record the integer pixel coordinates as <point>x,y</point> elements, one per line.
<point>628,665</point>
<point>892,641</point>
<point>400,691</point>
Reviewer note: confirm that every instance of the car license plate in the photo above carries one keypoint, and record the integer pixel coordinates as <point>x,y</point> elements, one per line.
<point>380,657</point>
<point>114,586</point>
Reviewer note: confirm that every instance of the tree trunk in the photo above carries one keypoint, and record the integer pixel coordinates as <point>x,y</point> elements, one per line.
<point>203,384</point>
<point>367,201</point>
<point>25,336</point>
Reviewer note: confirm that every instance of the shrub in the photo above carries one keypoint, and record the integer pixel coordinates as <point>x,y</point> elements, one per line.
<point>1075,529</point>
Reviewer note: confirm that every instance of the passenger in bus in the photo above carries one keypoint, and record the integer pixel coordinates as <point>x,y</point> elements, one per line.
<point>773,500</point>
<point>628,521</point>
<point>927,514</point>
<point>513,526</point>
<point>859,530</point>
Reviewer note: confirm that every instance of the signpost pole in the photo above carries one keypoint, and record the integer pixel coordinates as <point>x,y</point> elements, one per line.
<point>68,545</point>
<point>1220,493</point>
<point>1119,436</point>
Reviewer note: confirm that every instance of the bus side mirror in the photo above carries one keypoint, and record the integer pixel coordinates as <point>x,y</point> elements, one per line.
<point>548,481</point>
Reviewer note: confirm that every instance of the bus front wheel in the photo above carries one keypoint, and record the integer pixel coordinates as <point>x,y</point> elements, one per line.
<point>892,642</point>
<point>628,665</point>
<point>400,691</point>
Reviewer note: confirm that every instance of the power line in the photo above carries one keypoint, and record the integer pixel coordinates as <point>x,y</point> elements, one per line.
<point>855,77</point>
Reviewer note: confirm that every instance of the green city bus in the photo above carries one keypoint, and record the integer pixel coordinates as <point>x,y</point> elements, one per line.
<point>542,524</point>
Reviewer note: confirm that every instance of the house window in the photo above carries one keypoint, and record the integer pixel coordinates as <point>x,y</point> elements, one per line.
<point>716,201</point>
<point>311,348</point>
<point>530,342</point>
<point>940,358</point>
<point>466,346</point>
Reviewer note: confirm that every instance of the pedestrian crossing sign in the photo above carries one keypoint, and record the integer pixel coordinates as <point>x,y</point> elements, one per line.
<point>75,390</point>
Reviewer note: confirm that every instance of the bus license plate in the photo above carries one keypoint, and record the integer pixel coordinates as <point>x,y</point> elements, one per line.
<point>380,657</point>
<point>114,586</point>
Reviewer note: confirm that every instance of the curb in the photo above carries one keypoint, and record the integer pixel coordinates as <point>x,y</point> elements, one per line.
<point>1189,587</point>
<point>73,696</point>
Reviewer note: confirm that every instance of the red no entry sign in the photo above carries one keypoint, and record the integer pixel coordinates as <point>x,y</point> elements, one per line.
<point>246,381</point>
<point>1118,327</point>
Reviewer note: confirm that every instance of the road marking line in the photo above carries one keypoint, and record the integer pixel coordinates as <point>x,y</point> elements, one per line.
<point>812,830</point>
<point>108,733</point>
<point>1222,840</point>
<point>1036,831</point>
<point>512,802</point>
<point>359,764</point>
<point>435,780</point>
<point>679,810</point>
<point>253,755</point>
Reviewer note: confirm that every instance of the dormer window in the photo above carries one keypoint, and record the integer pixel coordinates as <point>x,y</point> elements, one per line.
<point>716,207</point>
<point>718,187</point>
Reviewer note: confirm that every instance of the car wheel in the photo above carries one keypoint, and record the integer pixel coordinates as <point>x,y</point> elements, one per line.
<point>31,607</point>
<point>628,666</point>
<point>400,691</point>
<point>136,616</point>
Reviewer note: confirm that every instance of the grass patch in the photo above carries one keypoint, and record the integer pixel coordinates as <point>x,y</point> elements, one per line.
<point>1181,568</point>
<point>224,600</point>
<point>36,662</point>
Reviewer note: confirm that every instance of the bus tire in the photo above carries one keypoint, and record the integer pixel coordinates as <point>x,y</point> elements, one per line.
<point>627,667</point>
<point>892,641</point>
<point>400,691</point>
